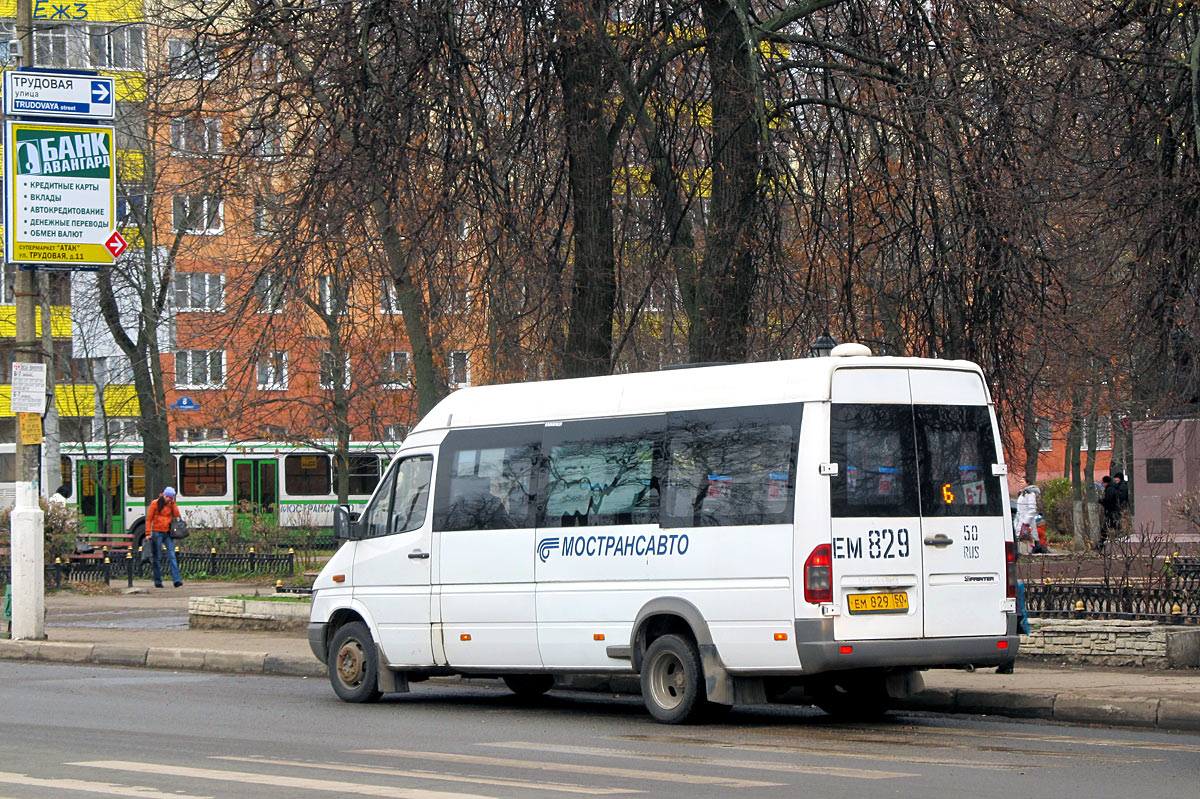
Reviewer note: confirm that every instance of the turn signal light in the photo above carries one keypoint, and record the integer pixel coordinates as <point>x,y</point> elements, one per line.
<point>465,637</point>
<point>780,636</point>
<point>598,637</point>
<point>339,578</point>
<point>1010,569</point>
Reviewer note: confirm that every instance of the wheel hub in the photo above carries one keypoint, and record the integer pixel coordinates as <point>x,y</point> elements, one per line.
<point>667,681</point>
<point>351,661</point>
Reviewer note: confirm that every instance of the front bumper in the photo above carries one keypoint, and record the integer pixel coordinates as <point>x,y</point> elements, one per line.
<point>317,639</point>
<point>819,652</point>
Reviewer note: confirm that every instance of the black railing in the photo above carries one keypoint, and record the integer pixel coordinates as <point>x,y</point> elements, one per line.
<point>115,566</point>
<point>1109,602</point>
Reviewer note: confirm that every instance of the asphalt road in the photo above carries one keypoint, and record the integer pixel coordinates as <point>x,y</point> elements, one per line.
<point>74,731</point>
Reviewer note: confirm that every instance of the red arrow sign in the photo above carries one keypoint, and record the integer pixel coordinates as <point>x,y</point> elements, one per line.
<point>115,244</point>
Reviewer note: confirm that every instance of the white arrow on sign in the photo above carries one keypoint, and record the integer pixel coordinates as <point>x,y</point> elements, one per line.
<point>100,92</point>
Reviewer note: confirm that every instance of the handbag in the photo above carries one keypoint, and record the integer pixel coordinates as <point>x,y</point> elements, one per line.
<point>178,528</point>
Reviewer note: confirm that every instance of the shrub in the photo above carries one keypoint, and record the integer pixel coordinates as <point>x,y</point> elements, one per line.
<point>1056,506</point>
<point>61,529</point>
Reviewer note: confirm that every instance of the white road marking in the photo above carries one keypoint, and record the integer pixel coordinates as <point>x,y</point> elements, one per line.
<point>277,780</point>
<point>88,786</point>
<point>572,768</point>
<point>757,765</point>
<point>433,775</point>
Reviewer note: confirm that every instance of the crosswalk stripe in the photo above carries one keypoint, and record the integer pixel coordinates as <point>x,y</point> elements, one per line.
<point>277,780</point>
<point>572,768</point>
<point>757,765</point>
<point>109,789</point>
<point>430,775</point>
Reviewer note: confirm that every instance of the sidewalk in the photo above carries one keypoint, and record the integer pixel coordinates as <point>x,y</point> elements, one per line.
<point>149,628</point>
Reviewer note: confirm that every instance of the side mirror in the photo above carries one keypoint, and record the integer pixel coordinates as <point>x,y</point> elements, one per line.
<point>343,525</point>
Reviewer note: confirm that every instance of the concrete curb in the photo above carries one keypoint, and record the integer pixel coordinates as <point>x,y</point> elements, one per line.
<point>1075,708</point>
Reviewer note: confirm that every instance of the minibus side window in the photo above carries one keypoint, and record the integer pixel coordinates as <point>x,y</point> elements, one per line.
<point>487,479</point>
<point>732,466</point>
<point>874,449</point>
<point>411,496</point>
<point>603,471</point>
<point>375,518</point>
<point>956,452</point>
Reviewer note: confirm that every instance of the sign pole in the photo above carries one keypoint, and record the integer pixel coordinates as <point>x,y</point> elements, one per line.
<point>28,562</point>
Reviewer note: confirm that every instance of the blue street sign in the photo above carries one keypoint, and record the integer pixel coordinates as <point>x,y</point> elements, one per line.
<point>71,95</point>
<point>185,404</point>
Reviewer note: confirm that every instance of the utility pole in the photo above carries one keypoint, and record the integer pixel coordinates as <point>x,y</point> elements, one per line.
<point>28,566</point>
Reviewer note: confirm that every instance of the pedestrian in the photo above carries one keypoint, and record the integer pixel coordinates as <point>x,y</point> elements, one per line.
<point>1122,497</point>
<point>1025,522</point>
<point>159,515</point>
<point>1110,516</point>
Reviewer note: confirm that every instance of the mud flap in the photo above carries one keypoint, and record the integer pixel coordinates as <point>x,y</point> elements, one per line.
<point>722,688</point>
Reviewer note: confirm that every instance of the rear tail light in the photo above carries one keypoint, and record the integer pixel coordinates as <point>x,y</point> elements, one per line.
<point>1010,569</point>
<point>818,575</point>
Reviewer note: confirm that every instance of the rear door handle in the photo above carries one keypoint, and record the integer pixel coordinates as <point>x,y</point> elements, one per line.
<point>418,555</point>
<point>939,540</point>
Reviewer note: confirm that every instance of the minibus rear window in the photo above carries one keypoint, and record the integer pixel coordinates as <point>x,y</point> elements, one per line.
<point>956,452</point>
<point>873,448</point>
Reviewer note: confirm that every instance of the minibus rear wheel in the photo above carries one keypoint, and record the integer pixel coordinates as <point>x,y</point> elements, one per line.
<point>673,681</point>
<point>353,666</point>
<point>528,686</point>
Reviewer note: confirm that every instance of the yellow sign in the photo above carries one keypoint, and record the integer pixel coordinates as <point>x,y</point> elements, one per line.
<point>31,428</point>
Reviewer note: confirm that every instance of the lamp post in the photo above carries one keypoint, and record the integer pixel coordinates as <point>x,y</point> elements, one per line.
<point>823,345</point>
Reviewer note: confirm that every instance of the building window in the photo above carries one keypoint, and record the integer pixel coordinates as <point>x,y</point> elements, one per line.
<point>329,371</point>
<point>117,429</point>
<point>52,47</point>
<point>266,139</point>
<point>1160,470</point>
<point>118,371</point>
<point>200,369</point>
<point>117,47</point>
<point>266,216</point>
<point>191,59</point>
<point>272,371</point>
<point>460,369</point>
<point>264,61</point>
<point>1045,435</point>
<point>389,299</point>
<point>1103,434</point>
<point>197,214</point>
<point>199,291</point>
<point>268,291</point>
<point>202,433</point>
<point>131,206</point>
<point>395,432</point>
<point>195,136</point>
<point>8,32</point>
<point>399,369</point>
<point>272,432</point>
<point>10,281</point>
<point>332,295</point>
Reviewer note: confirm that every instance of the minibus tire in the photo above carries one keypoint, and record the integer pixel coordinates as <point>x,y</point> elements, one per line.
<point>673,680</point>
<point>353,666</point>
<point>528,686</point>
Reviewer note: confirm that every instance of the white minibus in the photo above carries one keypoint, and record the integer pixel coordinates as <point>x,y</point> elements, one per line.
<point>814,530</point>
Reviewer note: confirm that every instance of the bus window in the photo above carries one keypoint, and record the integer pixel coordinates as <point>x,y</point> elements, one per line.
<point>873,447</point>
<point>603,472</point>
<point>203,476</point>
<point>486,479</point>
<point>364,474</point>
<point>306,475</point>
<point>136,476</point>
<point>68,480</point>
<point>731,466</point>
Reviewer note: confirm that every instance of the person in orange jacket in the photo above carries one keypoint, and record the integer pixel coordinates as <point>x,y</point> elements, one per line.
<point>159,515</point>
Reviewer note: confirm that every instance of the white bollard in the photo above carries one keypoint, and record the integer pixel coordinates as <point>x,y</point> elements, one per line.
<point>28,566</point>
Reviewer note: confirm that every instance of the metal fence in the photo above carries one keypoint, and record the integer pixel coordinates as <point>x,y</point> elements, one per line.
<point>1114,602</point>
<point>115,566</point>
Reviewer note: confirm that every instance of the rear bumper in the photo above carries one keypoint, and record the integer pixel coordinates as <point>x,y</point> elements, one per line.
<point>819,652</point>
<point>316,639</point>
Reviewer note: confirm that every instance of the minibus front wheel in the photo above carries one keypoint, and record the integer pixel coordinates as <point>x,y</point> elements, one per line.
<point>353,664</point>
